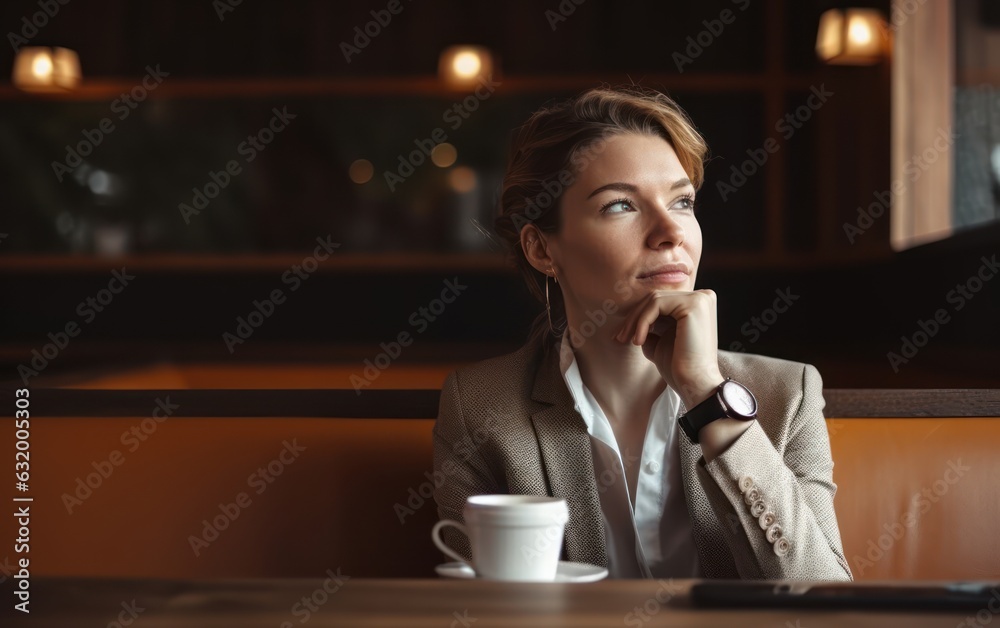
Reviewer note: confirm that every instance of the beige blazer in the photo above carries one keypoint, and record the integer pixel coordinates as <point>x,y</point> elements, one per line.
<point>508,425</point>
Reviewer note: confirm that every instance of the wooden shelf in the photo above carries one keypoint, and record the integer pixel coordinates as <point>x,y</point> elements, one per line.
<point>354,262</point>
<point>400,262</point>
<point>103,89</point>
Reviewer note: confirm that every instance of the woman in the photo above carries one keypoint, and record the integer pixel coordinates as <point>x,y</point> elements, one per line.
<point>616,403</point>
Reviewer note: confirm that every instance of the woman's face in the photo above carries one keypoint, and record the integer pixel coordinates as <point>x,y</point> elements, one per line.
<point>629,212</point>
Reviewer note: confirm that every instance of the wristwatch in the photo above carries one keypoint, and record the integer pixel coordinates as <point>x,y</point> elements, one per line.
<point>731,399</point>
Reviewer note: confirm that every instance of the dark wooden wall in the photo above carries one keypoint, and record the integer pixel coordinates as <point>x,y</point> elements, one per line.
<point>784,230</point>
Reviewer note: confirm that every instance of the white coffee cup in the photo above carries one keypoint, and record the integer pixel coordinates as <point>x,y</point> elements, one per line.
<point>513,537</point>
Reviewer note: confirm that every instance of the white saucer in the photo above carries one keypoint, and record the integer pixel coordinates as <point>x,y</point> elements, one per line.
<point>565,572</point>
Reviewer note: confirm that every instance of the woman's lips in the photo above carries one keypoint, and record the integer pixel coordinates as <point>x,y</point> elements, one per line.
<point>673,277</point>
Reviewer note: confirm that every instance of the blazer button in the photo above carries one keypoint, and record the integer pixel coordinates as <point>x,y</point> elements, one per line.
<point>766,520</point>
<point>745,483</point>
<point>758,508</point>
<point>773,533</point>
<point>751,495</point>
<point>781,546</point>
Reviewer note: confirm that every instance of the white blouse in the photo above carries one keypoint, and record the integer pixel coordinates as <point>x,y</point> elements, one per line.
<point>654,540</point>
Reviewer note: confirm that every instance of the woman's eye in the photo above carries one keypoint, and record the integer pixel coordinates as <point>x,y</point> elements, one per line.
<point>685,203</point>
<point>616,207</point>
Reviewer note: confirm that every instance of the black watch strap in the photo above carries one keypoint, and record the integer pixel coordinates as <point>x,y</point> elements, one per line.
<point>704,413</point>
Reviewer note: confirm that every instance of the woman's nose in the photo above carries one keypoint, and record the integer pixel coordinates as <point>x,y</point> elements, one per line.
<point>665,230</point>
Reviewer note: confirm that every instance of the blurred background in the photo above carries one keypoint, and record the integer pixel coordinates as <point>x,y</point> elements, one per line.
<point>206,151</point>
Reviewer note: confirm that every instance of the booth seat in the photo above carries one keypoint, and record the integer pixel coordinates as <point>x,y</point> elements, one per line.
<point>918,498</point>
<point>210,497</point>
<point>241,376</point>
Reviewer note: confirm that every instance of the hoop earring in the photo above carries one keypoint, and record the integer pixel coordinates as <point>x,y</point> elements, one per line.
<point>548,308</point>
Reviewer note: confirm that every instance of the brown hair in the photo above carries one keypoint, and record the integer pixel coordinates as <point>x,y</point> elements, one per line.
<point>550,150</point>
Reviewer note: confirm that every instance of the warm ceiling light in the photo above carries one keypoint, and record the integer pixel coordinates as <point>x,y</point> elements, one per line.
<point>850,37</point>
<point>444,155</point>
<point>361,171</point>
<point>859,32</point>
<point>42,69</point>
<point>466,64</point>
<point>462,179</point>
<point>463,65</point>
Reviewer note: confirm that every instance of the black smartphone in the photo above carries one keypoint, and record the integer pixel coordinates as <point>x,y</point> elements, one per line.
<point>916,595</point>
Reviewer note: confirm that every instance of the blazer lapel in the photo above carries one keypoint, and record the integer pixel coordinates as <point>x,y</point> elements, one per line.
<point>567,462</point>
<point>569,470</point>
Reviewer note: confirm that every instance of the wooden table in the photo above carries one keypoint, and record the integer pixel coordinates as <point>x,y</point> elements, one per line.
<point>58,602</point>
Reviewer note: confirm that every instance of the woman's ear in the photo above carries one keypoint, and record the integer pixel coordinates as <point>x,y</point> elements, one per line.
<point>535,249</point>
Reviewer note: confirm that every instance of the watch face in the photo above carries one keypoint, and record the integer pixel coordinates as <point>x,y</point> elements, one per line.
<point>739,399</point>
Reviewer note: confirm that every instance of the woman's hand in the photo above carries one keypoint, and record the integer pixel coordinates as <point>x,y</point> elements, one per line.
<point>678,332</point>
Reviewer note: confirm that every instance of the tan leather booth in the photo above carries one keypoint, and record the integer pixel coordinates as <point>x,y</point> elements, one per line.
<point>918,498</point>
<point>209,497</point>
<point>229,497</point>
